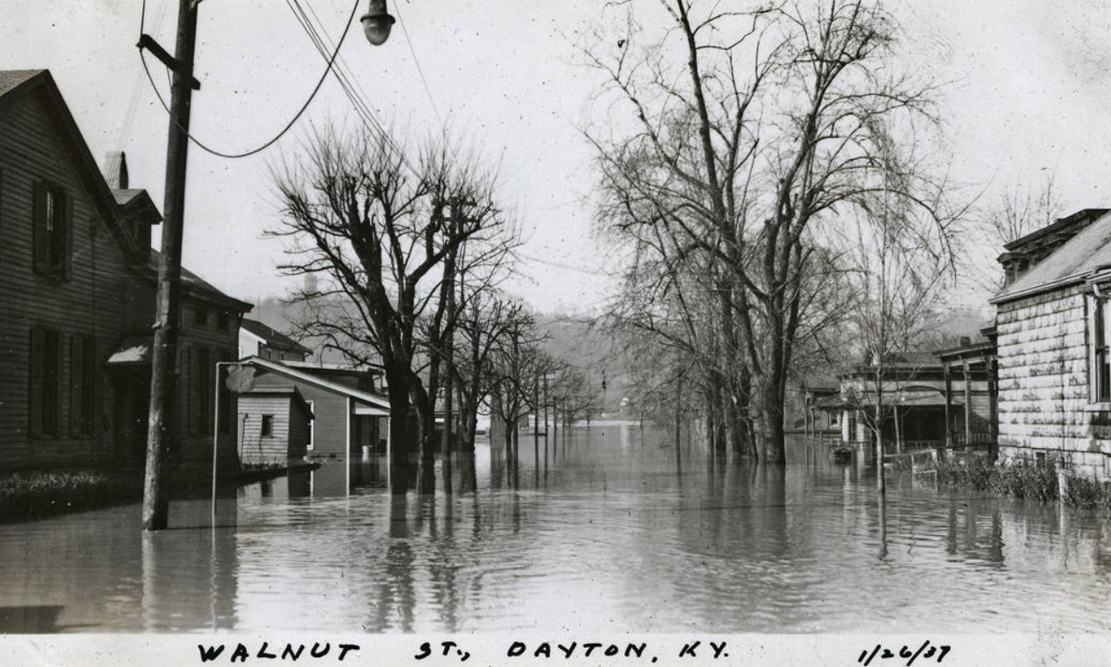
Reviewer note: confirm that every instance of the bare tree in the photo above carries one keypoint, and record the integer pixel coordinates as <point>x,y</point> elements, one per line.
<point>1020,211</point>
<point>755,128</point>
<point>371,223</point>
<point>900,266</point>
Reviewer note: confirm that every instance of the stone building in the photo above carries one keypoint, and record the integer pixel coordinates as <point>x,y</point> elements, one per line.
<point>1052,324</point>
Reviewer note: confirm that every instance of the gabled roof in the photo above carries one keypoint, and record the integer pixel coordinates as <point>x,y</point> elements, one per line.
<point>14,84</point>
<point>1068,265</point>
<point>291,391</point>
<point>279,368</point>
<point>196,286</point>
<point>1061,224</point>
<point>137,202</point>
<point>273,337</point>
<point>13,78</point>
<point>373,369</point>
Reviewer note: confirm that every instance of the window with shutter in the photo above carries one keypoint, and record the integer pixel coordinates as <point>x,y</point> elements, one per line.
<point>82,385</point>
<point>53,227</point>
<point>34,394</point>
<point>43,399</point>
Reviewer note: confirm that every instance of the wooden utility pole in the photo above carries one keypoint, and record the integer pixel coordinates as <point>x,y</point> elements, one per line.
<point>164,374</point>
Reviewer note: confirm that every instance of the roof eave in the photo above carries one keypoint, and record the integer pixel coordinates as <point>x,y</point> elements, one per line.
<point>1051,286</point>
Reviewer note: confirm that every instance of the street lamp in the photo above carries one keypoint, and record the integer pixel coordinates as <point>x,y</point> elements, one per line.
<point>377,23</point>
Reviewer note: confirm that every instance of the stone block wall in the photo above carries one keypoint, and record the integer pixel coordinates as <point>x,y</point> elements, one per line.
<point>1044,405</point>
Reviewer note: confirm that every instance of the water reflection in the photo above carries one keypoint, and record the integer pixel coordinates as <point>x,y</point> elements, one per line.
<point>615,529</point>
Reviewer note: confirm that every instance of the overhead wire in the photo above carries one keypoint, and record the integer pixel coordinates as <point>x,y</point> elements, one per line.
<point>288,126</point>
<point>348,82</point>
<point>420,70</point>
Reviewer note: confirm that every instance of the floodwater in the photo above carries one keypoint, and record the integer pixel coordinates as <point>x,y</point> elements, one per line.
<point>609,532</point>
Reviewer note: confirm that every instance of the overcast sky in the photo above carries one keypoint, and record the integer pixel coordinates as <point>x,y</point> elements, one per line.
<point>1027,92</point>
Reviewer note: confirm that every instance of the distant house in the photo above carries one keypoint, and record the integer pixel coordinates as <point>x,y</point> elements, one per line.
<point>925,399</point>
<point>344,417</point>
<point>1052,325</point>
<point>258,340</point>
<point>815,408</point>
<point>79,301</point>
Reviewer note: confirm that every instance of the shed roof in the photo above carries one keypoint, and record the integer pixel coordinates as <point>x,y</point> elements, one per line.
<point>373,400</point>
<point>1077,258</point>
<point>290,391</point>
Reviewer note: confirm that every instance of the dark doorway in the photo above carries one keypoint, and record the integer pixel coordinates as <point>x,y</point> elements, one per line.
<point>130,403</point>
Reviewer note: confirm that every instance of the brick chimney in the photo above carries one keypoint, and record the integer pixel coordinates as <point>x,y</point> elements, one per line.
<point>115,170</point>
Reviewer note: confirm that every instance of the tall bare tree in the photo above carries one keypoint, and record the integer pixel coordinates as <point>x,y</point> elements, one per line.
<point>753,130</point>
<point>370,221</point>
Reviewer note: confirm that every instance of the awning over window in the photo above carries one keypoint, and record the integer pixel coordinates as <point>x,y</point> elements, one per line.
<point>133,351</point>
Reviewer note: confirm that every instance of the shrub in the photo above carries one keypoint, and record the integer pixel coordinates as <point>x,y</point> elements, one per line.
<point>37,494</point>
<point>1026,479</point>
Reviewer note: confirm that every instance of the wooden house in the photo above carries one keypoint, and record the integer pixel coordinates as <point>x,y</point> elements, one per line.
<point>1054,369</point>
<point>815,406</point>
<point>346,415</point>
<point>927,401</point>
<point>275,425</point>
<point>79,281</point>
<point>259,340</point>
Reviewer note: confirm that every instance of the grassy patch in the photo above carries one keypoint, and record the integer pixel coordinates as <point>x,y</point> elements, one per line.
<point>34,495</point>
<point>1027,479</point>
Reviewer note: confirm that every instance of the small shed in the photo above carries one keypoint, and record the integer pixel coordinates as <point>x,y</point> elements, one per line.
<point>274,425</point>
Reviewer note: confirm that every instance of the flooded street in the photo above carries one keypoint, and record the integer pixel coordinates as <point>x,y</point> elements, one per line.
<point>603,534</point>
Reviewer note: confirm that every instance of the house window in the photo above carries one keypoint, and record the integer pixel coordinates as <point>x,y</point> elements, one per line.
<point>45,407</point>
<point>82,384</point>
<point>1099,328</point>
<point>200,316</point>
<point>222,320</point>
<point>267,425</point>
<point>52,227</point>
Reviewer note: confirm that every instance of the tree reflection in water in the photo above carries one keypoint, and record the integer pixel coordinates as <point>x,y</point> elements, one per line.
<point>646,538</point>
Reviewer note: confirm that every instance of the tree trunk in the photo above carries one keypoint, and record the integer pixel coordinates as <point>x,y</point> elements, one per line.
<point>397,380</point>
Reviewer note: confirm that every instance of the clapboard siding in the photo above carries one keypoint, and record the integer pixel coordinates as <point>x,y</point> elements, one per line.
<point>255,448</point>
<point>1043,382</point>
<point>108,294</point>
<point>330,423</point>
<point>95,300</point>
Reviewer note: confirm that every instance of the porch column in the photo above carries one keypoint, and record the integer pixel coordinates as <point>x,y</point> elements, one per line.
<point>948,404</point>
<point>967,406</point>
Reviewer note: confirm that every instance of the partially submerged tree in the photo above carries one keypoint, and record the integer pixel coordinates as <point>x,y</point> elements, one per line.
<point>374,225</point>
<point>753,130</point>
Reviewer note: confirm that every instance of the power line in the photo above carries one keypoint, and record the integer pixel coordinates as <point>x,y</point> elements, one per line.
<point>420,70</point>
<point>348,82</point>
<point>288,126</point>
